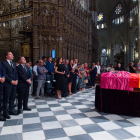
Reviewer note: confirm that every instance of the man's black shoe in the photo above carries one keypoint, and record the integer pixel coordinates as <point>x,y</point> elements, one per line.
<point>27,109</point>
<point>2,119</point>
<point>19,111</point>
<point>6,116</point>
<point>13,113</point>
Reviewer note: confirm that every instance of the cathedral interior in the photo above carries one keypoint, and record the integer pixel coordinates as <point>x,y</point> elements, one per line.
<point>89,30</point>
<point>34,28</point>
<point>104,31</point>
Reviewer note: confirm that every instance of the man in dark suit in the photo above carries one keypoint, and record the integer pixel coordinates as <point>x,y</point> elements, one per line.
<point>2,80</point>
<point>66,77</point>
<point>24,82</point>
<point>11,81</point>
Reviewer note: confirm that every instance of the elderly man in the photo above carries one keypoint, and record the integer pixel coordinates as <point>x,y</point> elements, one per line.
<point>41,79</point>
<point>24,76</point>
<point>119,68</point>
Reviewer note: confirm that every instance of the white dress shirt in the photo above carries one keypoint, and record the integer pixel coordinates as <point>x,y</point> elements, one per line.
<point>98,69</point>
<point>8,62</point>
<point>35,70</point>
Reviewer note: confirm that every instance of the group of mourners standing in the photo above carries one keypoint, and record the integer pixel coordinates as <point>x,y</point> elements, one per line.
<point>69,76</point>
<point>72,76</point>
<point>66,77</point>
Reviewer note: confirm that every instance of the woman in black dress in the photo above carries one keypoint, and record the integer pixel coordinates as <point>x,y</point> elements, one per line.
<point>93,73</point>
<point>71,76</point>
<point>60,71</point>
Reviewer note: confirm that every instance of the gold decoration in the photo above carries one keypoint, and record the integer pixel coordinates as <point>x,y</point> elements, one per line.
<point>26,50</point>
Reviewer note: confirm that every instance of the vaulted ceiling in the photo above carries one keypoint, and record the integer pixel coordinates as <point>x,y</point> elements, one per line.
<point>108,6</point>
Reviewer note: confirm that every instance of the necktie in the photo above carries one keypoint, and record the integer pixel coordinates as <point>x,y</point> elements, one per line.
<point>12,65</point>
<point>25,68</point>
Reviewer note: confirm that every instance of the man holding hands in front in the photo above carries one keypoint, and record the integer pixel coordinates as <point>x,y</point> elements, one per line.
<point>24,76</point>
<point>10,85</point>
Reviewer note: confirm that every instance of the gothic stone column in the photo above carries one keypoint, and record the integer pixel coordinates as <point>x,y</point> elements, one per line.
<point>35,32</point>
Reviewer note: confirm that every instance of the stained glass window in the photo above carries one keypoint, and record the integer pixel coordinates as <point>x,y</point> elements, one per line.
<point>118,9</point>
<point>100,17</point>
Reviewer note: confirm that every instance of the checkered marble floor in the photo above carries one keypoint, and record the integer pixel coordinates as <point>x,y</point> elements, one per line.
<point>72,118</point>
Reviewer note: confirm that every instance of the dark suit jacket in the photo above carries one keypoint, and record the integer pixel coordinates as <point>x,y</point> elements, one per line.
<point>2,73</point>
<point>67,72</point>
<point>23,76</point>
<point>10,74</point>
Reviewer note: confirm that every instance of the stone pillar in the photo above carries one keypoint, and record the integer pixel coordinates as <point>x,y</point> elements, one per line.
<point>35,44</point>
<point>61,20</point>
<point>35,32</point>
<point>126,45</point>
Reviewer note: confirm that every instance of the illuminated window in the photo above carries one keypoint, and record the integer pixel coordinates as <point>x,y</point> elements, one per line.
<point>118,9</point>
<point>100,17</point>
<point>102,26</point>
<point>121,19</point>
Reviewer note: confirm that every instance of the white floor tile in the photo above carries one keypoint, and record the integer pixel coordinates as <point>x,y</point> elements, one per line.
<point>35,135</point>
<point>44,114</point>
<point>63,117</point>
<point>73,111</point>
<point>66,104</point>
<point>71,101</point>
<point>113,117</point>
<point>56,108</point>
<point>11,130</point>
<point>52,102</point>
<point>80,106</point>
<point>109,125</point>
<point>135,121</point>
<point>32,111</point>
<point>42,106</point>
<point>20,116</point>
<point>87,103</point>
<point>102,136</point>
<point>92,114</point>
<point>1,124</point>
<point>63,138</point>
<point>31,120</point>
<point>76,130</point>
<point>84,121</point>
<point>39,100</point>
<point>51,125</point>
<point>134,130</point>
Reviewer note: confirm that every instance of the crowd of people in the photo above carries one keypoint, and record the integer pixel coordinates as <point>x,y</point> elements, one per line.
<point>64,78</point>
<point>130,68</point>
